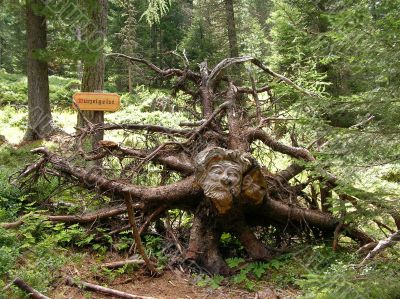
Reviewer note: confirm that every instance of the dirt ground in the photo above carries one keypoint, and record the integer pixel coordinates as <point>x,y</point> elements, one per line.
<point>173,284</point>
<point>170,285</point>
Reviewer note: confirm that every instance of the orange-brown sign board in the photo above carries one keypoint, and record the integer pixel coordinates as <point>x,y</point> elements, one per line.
<point>97,101</point>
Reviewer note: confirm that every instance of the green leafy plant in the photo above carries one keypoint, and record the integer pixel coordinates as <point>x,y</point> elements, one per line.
<point>213,282</point>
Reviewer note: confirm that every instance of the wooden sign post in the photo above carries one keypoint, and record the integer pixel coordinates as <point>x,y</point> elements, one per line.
<point>97,101</point>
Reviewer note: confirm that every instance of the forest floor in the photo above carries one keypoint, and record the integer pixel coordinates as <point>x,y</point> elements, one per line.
<point>172,283</point>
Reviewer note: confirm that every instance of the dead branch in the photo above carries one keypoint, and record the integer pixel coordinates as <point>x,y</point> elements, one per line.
<point>382,245</point>
<point>138,127</point>
<point>217,70</point>
<point>166,73</point>
<point>104,213</point>
<point>136,235</point>
<point>172,160</point>
<point>336,234</point>
<point>215,73</point>
<point>31,291</point>
<point>209,120</point>
<point>32,168</point>
<point>282,78</point>
<point>247,90</point>
<point>182,192</point>
<point>255,95</point>
<point>81,114</point>
<point>290,172</point>
<point>103,290</point>
<point>119,264</point>
<point>295,152</point>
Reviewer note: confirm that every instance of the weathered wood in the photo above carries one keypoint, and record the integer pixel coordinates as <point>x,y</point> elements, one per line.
<point>381,246</point>
<point>119,264</point>
<point>103,290</point>
<point>31,291</point>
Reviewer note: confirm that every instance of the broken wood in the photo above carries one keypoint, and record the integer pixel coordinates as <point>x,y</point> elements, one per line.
<point>31,291</point>
<point>119,264</point>
<point>381,246</point>
<point>103,290</point>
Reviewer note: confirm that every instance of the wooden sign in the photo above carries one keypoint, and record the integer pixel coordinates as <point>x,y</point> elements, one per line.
<point>97,101</point>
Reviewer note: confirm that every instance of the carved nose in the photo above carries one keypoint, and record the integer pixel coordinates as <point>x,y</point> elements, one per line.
<point>226,180</point>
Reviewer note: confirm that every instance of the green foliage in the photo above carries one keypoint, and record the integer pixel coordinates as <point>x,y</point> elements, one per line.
<point>13,89</point>
<point>344,281</point>
<point>154,247</point>
<point>213,282</point>
<point>392,175</point>
<point>30,254</point>
<point>155,10</point>
<point>233,262</point>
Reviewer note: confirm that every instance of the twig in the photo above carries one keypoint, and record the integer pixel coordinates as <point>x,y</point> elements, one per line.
<point>99,289</point>
<point>380,224</point>
<point>25,287</point>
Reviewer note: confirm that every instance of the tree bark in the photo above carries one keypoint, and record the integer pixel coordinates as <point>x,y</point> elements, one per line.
<point>231,26</point>
<point>203,243</point>
<point>93,73</point>
<point>40,123</point>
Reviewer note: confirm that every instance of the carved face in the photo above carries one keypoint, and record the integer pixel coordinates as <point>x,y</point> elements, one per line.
<point>254,187</point>
<point>222,183</point>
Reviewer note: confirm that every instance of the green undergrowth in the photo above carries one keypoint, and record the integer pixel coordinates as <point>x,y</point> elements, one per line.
<point>315,272</point>
<point>14,91</point>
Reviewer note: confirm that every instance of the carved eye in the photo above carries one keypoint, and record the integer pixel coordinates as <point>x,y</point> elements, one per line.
<point>216,170</point>
<point>233,174</point>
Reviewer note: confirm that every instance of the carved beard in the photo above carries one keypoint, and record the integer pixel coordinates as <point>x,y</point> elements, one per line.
<point>220,196</point>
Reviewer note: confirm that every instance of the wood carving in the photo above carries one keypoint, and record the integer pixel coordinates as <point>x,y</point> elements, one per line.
<point>254,186</point>
<point>220,174</point>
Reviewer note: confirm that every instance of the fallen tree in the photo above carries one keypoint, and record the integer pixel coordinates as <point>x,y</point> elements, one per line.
<point>220,183</point>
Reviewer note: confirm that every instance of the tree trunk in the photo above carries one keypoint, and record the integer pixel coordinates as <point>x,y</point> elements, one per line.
<point>93,73</point>
<point>79,68</point>
<point>40,124</point>
<point>130,88</point>
<point>230,22</point>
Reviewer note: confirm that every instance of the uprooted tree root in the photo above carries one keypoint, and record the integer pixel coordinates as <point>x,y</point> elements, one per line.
<point>224,123</point>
